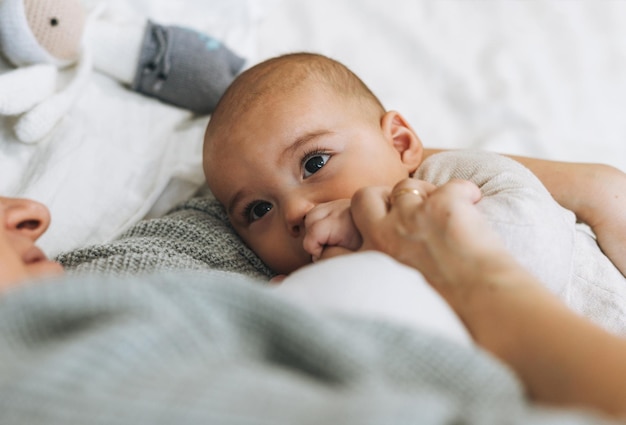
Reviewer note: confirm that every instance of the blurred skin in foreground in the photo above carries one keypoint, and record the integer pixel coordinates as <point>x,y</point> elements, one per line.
<point>22,222</point>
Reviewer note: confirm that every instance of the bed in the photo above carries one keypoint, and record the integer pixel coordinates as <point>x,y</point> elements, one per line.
<point>540,79</point>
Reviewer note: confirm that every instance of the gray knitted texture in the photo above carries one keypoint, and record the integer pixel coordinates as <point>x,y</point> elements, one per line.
<point>196,235</point>
<point>217,348</point>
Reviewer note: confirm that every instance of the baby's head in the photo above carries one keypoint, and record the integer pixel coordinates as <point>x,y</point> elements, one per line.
<point>291,133</point>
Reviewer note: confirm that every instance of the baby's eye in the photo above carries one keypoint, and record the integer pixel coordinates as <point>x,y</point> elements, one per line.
<point>314,162</point>
<point>256,210</point>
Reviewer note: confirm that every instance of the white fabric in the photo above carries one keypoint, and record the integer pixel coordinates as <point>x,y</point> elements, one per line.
<point>534,227</point>
<point>541,235</point>
<point>540,78</point>
<point>373,284</point>
<point>598,289</point>
<point>35,124</point>
<point>23,88</point>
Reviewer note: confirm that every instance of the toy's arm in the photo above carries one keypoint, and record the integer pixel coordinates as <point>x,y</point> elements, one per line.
<point>23,88</point>
<point>36,123</point>
<point>116,48</point>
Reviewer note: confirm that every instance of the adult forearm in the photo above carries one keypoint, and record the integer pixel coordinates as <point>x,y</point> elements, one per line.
<point>561,357</point>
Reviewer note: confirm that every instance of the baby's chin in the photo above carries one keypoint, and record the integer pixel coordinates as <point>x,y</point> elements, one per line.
<point>328,252</point>
<point>287,266</point>
<point>334,251</point>
<point>278,279</point>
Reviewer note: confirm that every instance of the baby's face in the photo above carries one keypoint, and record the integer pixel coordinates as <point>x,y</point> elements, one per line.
<point>22,222</point>
<point>286,156</point>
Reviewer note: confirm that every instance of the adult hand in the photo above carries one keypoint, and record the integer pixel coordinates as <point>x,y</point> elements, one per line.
<point>507,311</point>
<point>438,231</point>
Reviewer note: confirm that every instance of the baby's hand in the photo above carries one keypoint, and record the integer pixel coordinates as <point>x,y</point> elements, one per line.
<point>330,230</point>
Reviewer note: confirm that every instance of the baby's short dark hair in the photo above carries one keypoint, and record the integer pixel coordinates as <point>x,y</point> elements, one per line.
<point>285,73</point>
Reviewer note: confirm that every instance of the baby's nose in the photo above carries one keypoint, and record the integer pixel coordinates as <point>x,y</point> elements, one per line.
<point>295,215</point>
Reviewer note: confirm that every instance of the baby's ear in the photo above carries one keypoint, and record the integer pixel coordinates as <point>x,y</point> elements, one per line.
<point>398,131</point>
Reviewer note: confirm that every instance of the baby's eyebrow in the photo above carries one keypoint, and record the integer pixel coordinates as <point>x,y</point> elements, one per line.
<point>304,139</point>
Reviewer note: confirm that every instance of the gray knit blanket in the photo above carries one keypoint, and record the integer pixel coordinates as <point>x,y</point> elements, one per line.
<point>218,348</point>
<point>195,235</point>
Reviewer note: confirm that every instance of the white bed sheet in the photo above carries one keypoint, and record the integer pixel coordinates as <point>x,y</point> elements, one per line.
<point>544,79</point>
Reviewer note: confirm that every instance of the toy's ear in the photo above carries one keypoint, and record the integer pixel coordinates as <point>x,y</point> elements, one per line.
<point>398,131</point>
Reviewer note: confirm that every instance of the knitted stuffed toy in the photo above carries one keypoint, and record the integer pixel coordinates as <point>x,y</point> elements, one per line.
<point>41,37</point>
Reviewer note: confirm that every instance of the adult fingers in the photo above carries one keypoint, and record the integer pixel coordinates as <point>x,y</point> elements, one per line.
<point>370,206</point>
<point>407,196</point>
<point>411,186</point>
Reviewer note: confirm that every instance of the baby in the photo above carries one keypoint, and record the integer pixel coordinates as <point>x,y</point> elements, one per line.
<point>295,137</point>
